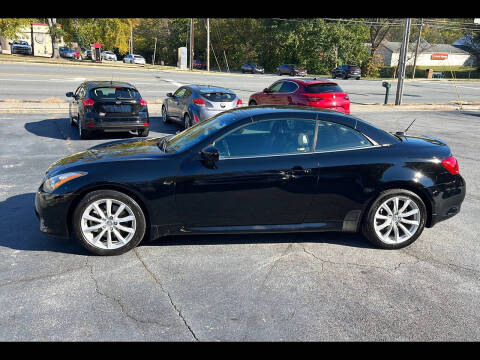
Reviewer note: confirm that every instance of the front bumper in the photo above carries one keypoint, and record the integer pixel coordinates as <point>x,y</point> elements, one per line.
<point>52,212</point>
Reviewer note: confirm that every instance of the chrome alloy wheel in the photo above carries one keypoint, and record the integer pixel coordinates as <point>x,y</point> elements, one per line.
<point>108,224</point>
<point>397,220</point>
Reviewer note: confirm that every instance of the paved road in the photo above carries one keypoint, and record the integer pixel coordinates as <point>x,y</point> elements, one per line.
<point>43,81</point>
<point>317,286</point>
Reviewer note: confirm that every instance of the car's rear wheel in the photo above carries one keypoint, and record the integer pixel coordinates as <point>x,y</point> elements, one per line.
<point>108,222</point>
<point>396,219</point>
<point>143,132</point>
<point>82,133</point>
<point>187,121</point>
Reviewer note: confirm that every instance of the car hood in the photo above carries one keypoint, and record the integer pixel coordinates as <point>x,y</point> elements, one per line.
<point>114,151</point>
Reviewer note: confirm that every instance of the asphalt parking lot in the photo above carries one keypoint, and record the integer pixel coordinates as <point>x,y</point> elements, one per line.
<point>315,286</point>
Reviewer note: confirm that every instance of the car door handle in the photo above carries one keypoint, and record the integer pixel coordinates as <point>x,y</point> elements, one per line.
<point>296,172</point>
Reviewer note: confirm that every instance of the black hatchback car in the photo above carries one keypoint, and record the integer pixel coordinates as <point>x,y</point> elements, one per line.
<point>253,169</point>
<point>252,68</point>
<point>347,71</point>
<point>108,106</point>
<point>292,70</point>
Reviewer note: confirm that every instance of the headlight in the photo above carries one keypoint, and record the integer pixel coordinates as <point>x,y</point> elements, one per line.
<point>55,181</point>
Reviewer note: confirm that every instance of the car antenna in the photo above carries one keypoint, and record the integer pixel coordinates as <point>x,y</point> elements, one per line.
<point>401,133</point>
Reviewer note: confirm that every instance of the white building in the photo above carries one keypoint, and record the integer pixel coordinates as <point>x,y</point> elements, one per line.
<point>428,54</point>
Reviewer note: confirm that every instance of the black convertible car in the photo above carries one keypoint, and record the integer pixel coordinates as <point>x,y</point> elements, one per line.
<point>253,169</point>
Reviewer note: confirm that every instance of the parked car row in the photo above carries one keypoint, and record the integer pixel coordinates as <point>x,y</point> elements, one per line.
<point>344,71</point>
<point>134,59</point>
<point>20,47</point>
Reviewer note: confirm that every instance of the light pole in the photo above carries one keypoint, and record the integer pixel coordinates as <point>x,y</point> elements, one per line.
<point>403,58</point>
<point>154,51</point>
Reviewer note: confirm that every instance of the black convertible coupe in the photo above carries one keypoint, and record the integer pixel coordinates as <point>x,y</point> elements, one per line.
<point>253,169</point>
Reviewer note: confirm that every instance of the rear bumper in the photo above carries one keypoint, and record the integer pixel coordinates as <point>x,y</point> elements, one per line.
<point>447,199</point>
<point>93,121</point>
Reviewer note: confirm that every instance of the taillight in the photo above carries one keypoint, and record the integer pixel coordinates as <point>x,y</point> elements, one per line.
<point>88,102</point>
<point>195,118</point>
<point>451,164</point>
<point>239,102</point>
<point>198,102</point>
<point>143,102</point>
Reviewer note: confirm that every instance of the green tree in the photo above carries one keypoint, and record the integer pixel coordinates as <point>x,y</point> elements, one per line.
<point>9,27</point>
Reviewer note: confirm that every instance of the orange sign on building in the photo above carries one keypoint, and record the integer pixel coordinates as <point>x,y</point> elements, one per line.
<point>439,56</point>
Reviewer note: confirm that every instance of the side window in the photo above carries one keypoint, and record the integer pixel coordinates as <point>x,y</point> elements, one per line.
<point>275,88</point>
<point>288,87</point>
<point>77,92</point>
<point>81,92</point>
<point>268,137</point>
<point>332,136</point>
<point>179,92</point>
<point>187,93</point>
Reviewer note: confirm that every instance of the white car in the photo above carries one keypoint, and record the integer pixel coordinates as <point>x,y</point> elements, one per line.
<point>134,59</point>
<point>109,56</point>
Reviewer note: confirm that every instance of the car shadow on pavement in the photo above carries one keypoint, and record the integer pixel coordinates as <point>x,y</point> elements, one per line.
<point>60,128</point>
<point>20,228</point>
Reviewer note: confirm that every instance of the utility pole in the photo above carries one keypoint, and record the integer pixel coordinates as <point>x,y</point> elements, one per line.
<point>131,39</point>
<point>402,62</point>
<point>208,44</point>
<point>416,50</point>
<point>154,51</point>
<point>191,44</point>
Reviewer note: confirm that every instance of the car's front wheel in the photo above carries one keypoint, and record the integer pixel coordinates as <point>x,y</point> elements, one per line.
<point>143,132</point>
<point>108,222</point>
<point>396,219</point>
<point>252,103</point>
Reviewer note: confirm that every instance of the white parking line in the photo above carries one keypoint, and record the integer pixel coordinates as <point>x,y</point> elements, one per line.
<point>173,82</point>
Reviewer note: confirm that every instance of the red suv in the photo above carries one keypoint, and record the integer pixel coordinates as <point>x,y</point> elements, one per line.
<point>308,92</point>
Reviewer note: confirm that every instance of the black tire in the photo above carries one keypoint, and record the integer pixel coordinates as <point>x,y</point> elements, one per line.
<point>368,223</point>
<point>292,73</point>
<point>333,76</point>
<point>252,103</point>
<point>83,133</point>
<point>187,121</point>
<point>143,132</point>
<point>165,116</point>
<point>116,195</point>
<point>358,78</point>
<point>243,71</point>
<point>345,77</point>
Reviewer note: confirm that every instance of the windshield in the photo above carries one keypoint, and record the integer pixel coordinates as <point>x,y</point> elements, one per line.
<point>193,135</point>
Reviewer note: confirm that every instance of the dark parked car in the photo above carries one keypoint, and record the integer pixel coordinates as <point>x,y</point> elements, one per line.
<point>108,106</point>
<point>308,92</point>
<point>292,70</point>
<point>249,170</point>
<point>252,68</point>
<point>191,104</point>
<point>199,65</point>
<point>347,71</point>
<point>87,55</point>
<point>20,47</point>
<point>67,52</point>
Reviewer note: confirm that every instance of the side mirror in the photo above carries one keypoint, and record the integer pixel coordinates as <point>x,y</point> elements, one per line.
<point>9,43</point>
<point>69,94</point>
<point>209,156</point>
<point>265,90</point>
<point>170,95</point>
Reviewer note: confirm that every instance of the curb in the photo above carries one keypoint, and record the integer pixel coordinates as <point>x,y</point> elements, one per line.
<point>155,108</point>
